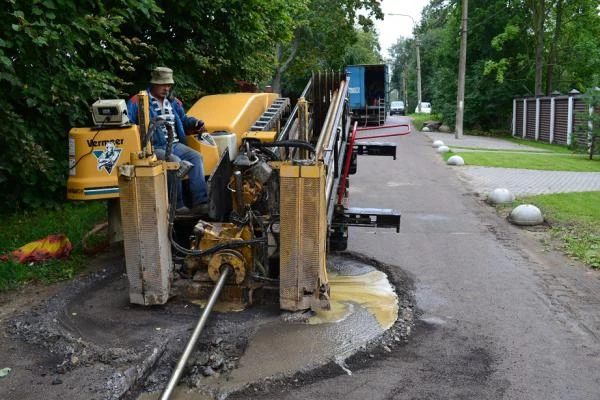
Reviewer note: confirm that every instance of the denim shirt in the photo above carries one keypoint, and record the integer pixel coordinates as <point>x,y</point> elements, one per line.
<point>182,120</point>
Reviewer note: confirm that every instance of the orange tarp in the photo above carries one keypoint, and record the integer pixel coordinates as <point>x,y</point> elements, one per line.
<point>52,246</point>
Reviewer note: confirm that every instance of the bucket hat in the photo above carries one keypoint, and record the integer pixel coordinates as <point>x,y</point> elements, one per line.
<point>162,76</point>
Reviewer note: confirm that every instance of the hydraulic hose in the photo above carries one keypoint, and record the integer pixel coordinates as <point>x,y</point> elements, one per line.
<point>291,143</point>
<point>271,154</point>
<point>228,245</point>
<point>169,148</point>
<point>172,187</point>
<point>171,175</point>
<point>153,126</point>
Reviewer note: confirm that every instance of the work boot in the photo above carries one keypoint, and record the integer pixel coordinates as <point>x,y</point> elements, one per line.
<point>182,210</point>
<point>200,209</point>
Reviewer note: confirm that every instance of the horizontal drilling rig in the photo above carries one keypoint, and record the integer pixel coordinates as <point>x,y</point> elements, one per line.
<point>277,183</point>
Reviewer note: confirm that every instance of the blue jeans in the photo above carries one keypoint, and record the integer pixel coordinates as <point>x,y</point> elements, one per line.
<point>196,175</point>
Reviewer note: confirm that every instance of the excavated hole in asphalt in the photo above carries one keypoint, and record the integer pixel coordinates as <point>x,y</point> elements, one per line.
<point>127,351</point>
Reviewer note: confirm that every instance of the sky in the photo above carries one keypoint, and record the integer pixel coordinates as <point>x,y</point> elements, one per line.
<point>394,26</point>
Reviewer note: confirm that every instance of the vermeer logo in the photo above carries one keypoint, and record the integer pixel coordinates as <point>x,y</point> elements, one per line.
<point>96,143</point>
<point>108,157</point>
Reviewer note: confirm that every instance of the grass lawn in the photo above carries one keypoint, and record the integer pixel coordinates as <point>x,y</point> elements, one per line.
<point>575,220</point>
<point>419,119</point>
<point>555,148</point>
<point>574,217</point>
<point>459,148</point>
<point>549,162</point>
<point>73,219</point>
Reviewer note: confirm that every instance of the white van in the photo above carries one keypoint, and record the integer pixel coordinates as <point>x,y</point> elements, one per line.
<point>425,108</point>
<point>397,107</point>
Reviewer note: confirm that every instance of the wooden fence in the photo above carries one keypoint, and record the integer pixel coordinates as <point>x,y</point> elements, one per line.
<point>559,119</point>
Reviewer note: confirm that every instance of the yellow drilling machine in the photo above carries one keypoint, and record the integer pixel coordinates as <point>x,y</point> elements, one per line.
<point>277,184</point>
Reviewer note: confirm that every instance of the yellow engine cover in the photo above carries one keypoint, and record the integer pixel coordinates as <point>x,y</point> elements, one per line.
<point>210,153</point>
<point>232,112</point>
<point>94,156</point>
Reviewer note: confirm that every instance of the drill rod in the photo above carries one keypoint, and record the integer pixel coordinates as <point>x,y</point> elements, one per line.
<point>166,394</point>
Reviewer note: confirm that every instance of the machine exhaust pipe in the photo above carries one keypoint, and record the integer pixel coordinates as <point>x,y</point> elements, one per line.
<point>166,394</point>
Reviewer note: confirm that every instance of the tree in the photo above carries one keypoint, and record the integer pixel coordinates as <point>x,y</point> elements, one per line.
<point>592,98</point>
<point>55,57</point>
<point>58,56</point>
<point>438,31</point>
<point>213,43</point>
<point>569,40</point>
<point>558,9</point>
<point>365,50</point>
<point>538,15</point>
<point>324,30</point>
<point>402,55</point>
<point>503,57</point>
<point>577,47</point>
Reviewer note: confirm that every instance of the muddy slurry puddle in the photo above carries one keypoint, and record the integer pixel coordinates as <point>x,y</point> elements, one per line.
<point>367,312</point>
<point>131,351</point>
<point>371,291</point>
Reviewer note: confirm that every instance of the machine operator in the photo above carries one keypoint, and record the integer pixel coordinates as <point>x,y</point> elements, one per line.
<point>162,105</point>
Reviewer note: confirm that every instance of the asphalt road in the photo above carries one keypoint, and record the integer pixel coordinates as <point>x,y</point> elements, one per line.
<point>500,316</point>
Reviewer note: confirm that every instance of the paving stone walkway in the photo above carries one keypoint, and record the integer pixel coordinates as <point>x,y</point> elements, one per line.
<point>521,182</point>
<point>482,142</point>
<point>524,182</point>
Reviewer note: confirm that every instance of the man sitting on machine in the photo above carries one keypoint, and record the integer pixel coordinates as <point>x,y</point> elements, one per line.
<point>170,109</point>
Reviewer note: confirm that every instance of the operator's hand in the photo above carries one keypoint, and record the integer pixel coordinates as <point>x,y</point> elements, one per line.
<point>199,127</point>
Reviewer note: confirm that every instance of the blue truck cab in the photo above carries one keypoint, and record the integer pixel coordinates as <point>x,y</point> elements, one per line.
<point>368,93</point>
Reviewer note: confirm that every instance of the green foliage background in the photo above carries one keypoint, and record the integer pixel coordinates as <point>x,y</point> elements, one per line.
<point>500,56</point>
<point>58,56</point>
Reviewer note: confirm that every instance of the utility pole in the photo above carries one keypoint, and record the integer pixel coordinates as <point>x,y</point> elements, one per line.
<point>419,99</point>
<point>404,94</point>
<point>462,64</point>
<point>417,45</point>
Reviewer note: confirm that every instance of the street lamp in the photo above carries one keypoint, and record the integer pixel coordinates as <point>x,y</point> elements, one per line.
<point>417,45</point>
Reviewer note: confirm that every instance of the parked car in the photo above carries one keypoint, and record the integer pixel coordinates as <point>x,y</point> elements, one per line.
<point>397,107</point>
<point>425,108</point>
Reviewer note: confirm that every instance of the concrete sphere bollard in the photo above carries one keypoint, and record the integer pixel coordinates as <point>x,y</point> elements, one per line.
<point>526,214</point>
<point>500,196</point>
<point>437,143</point>
<point>455,160</point>
<point>443,149</point>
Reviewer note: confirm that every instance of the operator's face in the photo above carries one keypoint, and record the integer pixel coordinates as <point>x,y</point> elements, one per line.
<point>160,91</point>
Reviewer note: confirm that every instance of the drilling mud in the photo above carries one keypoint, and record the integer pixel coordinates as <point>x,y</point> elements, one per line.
<point>89,342</point>
<point>371,291</point>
